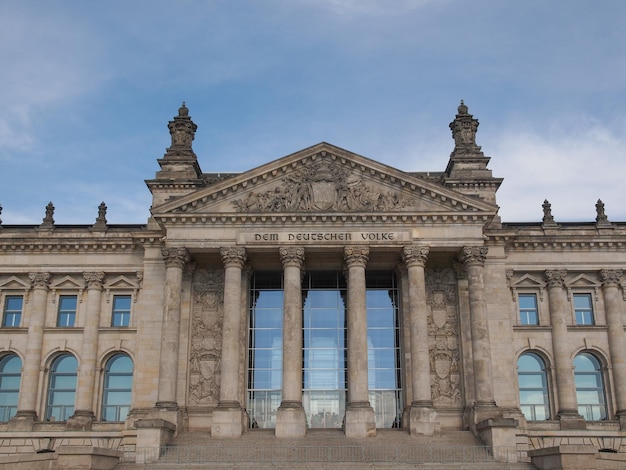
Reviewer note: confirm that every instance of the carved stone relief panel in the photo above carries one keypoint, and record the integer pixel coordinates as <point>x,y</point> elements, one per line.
<point>443,331</point>
<point>324,186</point>
<point>206,337</point>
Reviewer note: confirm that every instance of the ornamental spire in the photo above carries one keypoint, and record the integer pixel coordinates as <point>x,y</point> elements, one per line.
<point>182,130</point>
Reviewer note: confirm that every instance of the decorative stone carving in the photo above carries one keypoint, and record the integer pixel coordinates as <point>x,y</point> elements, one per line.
<point>356,255</point>
<point>292,256</point>
<point>233,256</point>
<point>175,256</point>
<point>39,280</point>
<point>415,255</point>
<point>548,219</point>
<point>611,277</point>
<point>101,220</point>
<point>474,255</point>
<point>556,278</point>
<point>94,280</point>
<point>443,334</point>
<point>323,186</point>
<point>206,337</point>
<point>48,220</point>
<point>182,130</point>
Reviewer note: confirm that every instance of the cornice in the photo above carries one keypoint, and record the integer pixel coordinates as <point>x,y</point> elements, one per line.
<point>322,218</point>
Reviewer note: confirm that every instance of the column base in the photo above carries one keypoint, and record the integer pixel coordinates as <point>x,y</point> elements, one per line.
<point>359,420</point>
<point>290,420</point>
<point>23,421</point>
<point>81,420</point>
<point>482,411</point>
<point>498,434</point>
<point>571,420</point>
<point>229,420</point>
<point>423,420</point>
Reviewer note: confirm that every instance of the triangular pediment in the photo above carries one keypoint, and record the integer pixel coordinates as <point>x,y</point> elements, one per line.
<point>323,180</point>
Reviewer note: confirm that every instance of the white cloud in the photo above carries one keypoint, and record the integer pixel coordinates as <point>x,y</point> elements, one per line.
<point>572,165</point>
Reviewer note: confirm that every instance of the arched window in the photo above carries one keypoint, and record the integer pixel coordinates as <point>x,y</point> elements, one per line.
<point>533,387</point>
<point>589,387</point>
<point>118,382</point>
<point>62,388</point>
<point>10,377</point>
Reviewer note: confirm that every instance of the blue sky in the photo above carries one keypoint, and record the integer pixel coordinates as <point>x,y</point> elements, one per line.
<point>87,90</point>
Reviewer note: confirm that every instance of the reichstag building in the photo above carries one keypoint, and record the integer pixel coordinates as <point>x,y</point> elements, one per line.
<point>321,290</point>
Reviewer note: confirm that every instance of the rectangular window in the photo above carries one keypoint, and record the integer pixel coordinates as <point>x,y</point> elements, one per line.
<point>583,309</point>
<point>12,311</point>
<point>528,313</point>
<point>67,310</point>
<point>121,310</point>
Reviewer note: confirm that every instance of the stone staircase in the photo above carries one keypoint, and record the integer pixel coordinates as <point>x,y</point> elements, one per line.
<point>327,450</point>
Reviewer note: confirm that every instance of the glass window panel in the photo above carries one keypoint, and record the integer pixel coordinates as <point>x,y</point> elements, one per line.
<point>269,300</point>
<point>327,299</point>
<point>376,299</point>
<point>533,390</point>
<point>119,381</point>
<point>322,319</point>
<point>8,382</point>
<point>14,302</point>
<point>590,397</point>
<point>121,363</point>
<point>377,318</point>
<point>117,398</point>
<point>528,301</point>
<point>582,301</point>
<point>268,318</point>
<point>63,381</point>
<point>584,362</point>
<point>588,380</point>
<point>62,398</point>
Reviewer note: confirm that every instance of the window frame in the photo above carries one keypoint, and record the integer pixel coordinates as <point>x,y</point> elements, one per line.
<point>121,312</point>
<point>7,411</point>
<point>603,405</point>
<point>53,375</point>
<point>107,390</point>
<point>545,389</point>
<point>71,314</point>
<point>12,313</point>
<point>590,311</point>
<point>521,310</point>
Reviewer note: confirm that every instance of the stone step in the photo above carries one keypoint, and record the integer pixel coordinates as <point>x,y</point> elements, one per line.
<point>328,450</point>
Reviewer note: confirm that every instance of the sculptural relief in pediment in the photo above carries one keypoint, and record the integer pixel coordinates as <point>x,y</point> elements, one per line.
<point>324,186</point>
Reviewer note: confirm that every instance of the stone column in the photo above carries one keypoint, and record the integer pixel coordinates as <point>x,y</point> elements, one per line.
<point>422,415</point>
<point>473,258</point>
<point>290,418</point>
<point>229,417</point>
<point>359,419</point>
<point>27,403</point>
<point>613,304</point>
<point>175,260</point>
<point>84,413</point>
<point>565,388</point>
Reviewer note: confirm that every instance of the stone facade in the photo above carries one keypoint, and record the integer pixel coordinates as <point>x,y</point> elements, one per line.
<point>121,336</point>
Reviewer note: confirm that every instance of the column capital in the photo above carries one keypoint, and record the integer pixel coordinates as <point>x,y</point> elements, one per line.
<point>356,255</point>
<point>175,256</point>
<point>292,256</point>
<point>39,280</point>
<point>414,255</point>
<point>94,280</point>
<point>556,277</point>
<point>473,255</point>
<point>611,277</point>
<point>233,256</point>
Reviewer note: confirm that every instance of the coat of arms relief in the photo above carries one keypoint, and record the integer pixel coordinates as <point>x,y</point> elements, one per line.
<point>206,337</point>
<point>323,186</point>
<point>443,337</point>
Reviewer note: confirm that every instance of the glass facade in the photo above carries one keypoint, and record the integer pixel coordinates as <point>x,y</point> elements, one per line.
<point>383,348</point>
<point>265,348</point>
<point>324,368</point>
<point>324,354</point>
